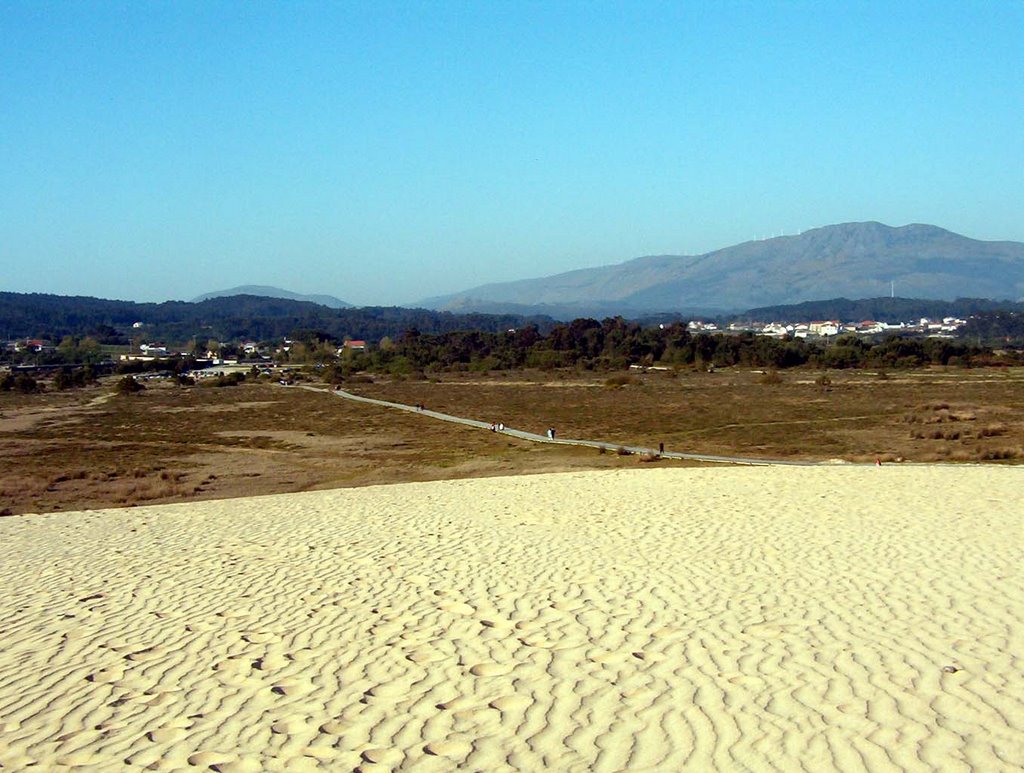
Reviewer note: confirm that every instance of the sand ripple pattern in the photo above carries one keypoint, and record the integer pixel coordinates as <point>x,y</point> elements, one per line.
<point>657,620</point>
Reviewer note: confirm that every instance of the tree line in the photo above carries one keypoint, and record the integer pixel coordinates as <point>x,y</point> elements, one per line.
<point>235,318</point>
<point>616,344</point>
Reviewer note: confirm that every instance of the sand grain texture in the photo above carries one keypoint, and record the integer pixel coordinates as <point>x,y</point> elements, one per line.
<point>659,620</point>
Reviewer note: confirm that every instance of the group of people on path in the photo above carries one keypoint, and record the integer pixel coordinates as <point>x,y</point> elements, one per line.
<point>500,427</point>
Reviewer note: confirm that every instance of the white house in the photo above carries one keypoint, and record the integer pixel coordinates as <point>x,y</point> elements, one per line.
<point>829,327</point>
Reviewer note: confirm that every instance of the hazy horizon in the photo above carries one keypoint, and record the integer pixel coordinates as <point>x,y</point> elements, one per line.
<point>386,153</point>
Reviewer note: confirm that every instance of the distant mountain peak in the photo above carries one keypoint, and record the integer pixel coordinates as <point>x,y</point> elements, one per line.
<point>856,260</point>
<point>265,291</point>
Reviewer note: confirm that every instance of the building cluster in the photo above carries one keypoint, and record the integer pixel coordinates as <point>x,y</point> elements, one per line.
<point>250,351</point>
<point>947,327</point>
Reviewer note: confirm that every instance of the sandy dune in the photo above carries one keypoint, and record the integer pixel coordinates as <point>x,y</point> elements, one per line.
<point>665,620</point>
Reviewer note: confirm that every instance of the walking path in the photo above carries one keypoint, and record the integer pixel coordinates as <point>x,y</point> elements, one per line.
<point>534,437</point>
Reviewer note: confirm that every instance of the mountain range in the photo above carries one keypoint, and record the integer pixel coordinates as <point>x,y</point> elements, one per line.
<point>853,260</point>
<point>265,291</point>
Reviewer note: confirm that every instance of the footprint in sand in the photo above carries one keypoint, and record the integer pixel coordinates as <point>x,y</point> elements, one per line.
<point>335,727</point>
<point>261,637</point>
<point>207,759</point>
<point>388,690</point>
<point>321,756</point>
<point>105,676</point>
<point>490,669</point>
<point>380,756</point>
<point>425,655</point>
<point>745,681</point>
<point>448,748</point>
<point>249,765</point>
<point>498,625</point>
<point>150,653</point>
<point>610,658</point>
<point>292,687</point>
<point>476,716</point>
<point>856,708</point>
<point>236,612</point>
<point>288,726</point>
<point>543,642</point>
<point>163,698</point>
<point>271,662</point>
<point>456,607</point>
<point>229,679</point>
<point>166,734</point>
<point>461,703</point>
<point>648,657</point>
<point>511,703</point>
<point>306,654</point>
<point>536,640</point>
<point>233,665</point>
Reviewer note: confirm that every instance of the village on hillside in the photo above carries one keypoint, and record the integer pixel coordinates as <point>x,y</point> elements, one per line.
<point>947,327</point>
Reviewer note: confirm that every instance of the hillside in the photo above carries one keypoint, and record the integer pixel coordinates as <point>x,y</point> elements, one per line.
<point>879,309</point>
<point>232,318</point>
<point>853,260</point>
<point>265,291</point>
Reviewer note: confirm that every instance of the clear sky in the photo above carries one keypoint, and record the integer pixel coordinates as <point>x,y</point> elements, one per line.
<point>384,152</point>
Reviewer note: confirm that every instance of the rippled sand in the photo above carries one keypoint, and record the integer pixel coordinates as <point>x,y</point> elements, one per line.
<point>688,619</point>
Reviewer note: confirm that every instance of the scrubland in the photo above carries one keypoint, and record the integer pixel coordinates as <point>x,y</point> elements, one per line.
<point>89,448</point>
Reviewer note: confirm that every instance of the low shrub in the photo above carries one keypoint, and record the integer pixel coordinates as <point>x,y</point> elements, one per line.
<point>128,386</point>
<point>999,454</point>
<point>620,380</point>
<point>992,430</point>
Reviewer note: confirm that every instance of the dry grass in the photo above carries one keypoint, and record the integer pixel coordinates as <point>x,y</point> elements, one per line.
<point>847,415</point>
<point>77,450</point>
<point>168,444</point>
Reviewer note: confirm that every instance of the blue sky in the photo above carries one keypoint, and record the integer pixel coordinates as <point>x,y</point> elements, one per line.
<point>383,152</point>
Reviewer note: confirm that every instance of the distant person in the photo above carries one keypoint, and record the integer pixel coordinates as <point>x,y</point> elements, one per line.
<point>501,426</point>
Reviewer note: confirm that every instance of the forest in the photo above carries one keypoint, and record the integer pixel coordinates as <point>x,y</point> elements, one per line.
<point>616,344</point>
<point>236,318</point>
